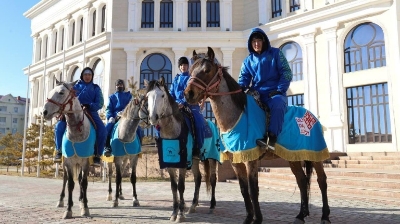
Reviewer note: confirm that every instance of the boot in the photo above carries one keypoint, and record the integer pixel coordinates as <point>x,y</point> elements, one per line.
<point>96,161</point>
<point>107,149</point>
<point>58,157</point>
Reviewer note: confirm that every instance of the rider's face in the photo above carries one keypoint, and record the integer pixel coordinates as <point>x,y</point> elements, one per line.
<point>87,77</point>
<point>184,67</point>
<point>257,45</point>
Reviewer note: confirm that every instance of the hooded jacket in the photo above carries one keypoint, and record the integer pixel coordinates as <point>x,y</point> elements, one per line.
<point>117,102</point>
<point>178,87</point>
<point>89,93</point>
<point>265,72</point>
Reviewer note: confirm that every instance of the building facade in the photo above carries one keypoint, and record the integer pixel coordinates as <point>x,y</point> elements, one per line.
<point>344,54</point>
<point>12,114</point>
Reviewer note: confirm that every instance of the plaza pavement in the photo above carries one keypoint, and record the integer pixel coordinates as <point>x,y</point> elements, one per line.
<point>33,200</point>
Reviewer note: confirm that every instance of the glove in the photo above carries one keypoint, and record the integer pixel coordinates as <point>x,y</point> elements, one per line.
<point>86,106</point>
<point>111,120</point>
<point>274,93</point>
<point>119,113</point>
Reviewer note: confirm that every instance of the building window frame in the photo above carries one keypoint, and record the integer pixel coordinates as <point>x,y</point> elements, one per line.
<point>213,13</point>
<point>194,13</point>
<point>147,14</point>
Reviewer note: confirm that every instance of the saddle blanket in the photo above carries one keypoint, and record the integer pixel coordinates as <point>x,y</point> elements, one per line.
<point>83,149</point>
<point>120,148</point>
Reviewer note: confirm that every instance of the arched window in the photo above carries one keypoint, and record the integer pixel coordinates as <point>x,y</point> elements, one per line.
<point>94,23</point>
<point>364,48</point>
<point>55,42</point>
<point>45,40</point>
<point>62,38</point>
<point>76,74</point>
<point>103,19</point>
<point>81,30</point>
<point>39,49</point>
<point>154,66</point>
<point>294,56</point>
<point>73,33</point>
<point>98,69</point>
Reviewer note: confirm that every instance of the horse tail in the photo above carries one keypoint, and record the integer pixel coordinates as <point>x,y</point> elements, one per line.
<point>207,173</point>
<point>309,170</point>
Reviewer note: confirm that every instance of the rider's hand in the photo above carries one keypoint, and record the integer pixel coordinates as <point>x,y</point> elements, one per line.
<point>119,113</point>
<point>86,106</point>
<point>111,120</point>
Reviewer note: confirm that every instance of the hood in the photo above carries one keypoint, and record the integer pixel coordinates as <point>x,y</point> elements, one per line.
<point>266,44</point>
<point>87,68</point>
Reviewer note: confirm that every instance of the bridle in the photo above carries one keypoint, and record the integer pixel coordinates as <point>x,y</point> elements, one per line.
<point>213,84</point>
<point>68,101</point>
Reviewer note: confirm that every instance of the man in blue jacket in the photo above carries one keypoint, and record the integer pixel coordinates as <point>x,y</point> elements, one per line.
<point>91,99</point>
<point>116,104</point>
<point>267,71</point>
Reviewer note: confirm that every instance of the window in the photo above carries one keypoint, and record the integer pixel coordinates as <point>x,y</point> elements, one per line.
<point>76,74</point>
<point>294,5</point>
<point>55,42</point>
<point>194,13</point>
<point>15,109</point>
<point>276,8</point>
<point>207,112</point>
<point>368,117</point>
<point>166,13</point>
<point>3,108</point>
<point>98,68</point>
<point>212,13</point>
<point>2,119</point>
<point>94,23</point>
<point>81,30</point>
<point>40,49</point>
<point>294,56</point>
<point>2,131</point>
<point>364,48</point>
<point>103,19</point>
<point>296,100</point>
<point>73,34</point>
<point>14,130</point>
<point>147,14</point>
<point>15,121</point>
<point>46,39</point>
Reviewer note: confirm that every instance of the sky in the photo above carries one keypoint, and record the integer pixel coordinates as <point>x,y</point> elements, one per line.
<point>16,46</point>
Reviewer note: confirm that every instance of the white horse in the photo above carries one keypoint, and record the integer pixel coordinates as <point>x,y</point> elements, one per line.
<point>62,101</point>
<point>125,147</point>
<point>162,110</point>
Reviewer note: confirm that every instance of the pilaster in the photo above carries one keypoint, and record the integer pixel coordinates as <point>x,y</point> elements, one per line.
<point>131,63</point>
<point>227,57</point>
<point>309,72</point>
<point>179,52</point>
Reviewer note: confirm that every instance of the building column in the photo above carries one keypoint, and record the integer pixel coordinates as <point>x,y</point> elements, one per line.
<point>226,15</point>
<point>335,124</point>
<point>35,57</point>
<point>227,57</point>
<point>179,52</point>
<point>156,15</point>
<point>203,6</point>
<point>309,73</point>
<point>133,15</point>
<point>85,15</point>
<point>263,13</point>
<point>180,15</point>
<point>131,64</point>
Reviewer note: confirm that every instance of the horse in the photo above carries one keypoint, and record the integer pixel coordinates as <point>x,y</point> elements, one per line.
<point>126,147</point>
<point>229,103</point>
<point>161,109</point>
<point>62,101</point>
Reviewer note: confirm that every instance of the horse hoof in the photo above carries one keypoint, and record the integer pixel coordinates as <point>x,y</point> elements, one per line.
<point>172,218</point>
<point>136,203</point>
<point>85,212</point>
<point>60,204</point>
<point>192,209</point>
<point>298,221</point>
<point>67,215</point>
<point>109,198</point>
<point>325,222</point>
<point>121,197</point>
<point>211,211</point>
<point>180,218</point>
<point>115,204</point>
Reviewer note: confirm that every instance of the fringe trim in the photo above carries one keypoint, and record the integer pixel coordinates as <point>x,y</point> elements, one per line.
<point>242,156</point>
<point>301,155</point>
<point>107,159</point>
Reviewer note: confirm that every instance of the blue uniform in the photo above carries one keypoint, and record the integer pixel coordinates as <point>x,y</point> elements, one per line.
<point>267,73</point>
<point>90,94</point>
<point>177,92</point>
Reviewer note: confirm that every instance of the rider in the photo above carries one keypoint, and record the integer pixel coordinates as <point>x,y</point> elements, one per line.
<point>116,104</point>
<point>267,69</point>
<point>177,92</point>
<point>91,99</point>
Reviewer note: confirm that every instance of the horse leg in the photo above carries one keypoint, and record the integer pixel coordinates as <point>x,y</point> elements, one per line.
<point>84,184</point>
<point>241,174</point>
<point>118,180</point>
<point>71,184</point>
<point>197,184</point>
<point>124,163</point>
<point>213,181</point>
<point>174,189</point>
<point>181,189</point>
<point>323,186</point>
<point>80,188</point>
<point>252,176</point>
<point>109,197</point>
<point>301,180</point>
<point>62,195</point>
<point>134,163</point>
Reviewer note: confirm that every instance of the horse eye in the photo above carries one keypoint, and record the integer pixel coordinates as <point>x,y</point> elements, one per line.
<point>162,96</point>
<point>61,93</point>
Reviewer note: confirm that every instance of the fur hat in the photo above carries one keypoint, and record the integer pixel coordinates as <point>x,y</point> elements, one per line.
<point>183,60</point>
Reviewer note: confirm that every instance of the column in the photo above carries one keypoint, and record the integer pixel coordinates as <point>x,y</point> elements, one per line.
<point>180,15</point>
<point>309,73</point>
<point>156,15</point>
<point>285,9</point>
<point>335,125</point>
<point>134,15</point>
<point>131,64</point>
<point>85,14</point>
<point>226,15</point>
<point>227,57</point>
<point>35,57</point>
<point>179,52</point>
<point>263,13</point>
<point>203,15</point>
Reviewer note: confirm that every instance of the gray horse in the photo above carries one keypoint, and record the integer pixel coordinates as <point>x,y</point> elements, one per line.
<point>62,101</point>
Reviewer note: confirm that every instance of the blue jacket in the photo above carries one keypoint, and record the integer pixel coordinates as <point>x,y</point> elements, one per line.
<point>178,87</point>
<point>89,93</point>
<point>265,72</point>
<point>117,102</point>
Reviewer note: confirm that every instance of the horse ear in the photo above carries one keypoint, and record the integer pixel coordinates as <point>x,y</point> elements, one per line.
<point>194,53</point>
<point>74,82</point>
<point>58,82</point>
<point>145,83</point>
<point>162,80</point>
<point>210,54</point>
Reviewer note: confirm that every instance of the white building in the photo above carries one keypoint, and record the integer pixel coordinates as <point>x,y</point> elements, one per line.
<point>344,53</point>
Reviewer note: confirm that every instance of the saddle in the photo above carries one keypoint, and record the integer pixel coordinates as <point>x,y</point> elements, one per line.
<point>88,115</point>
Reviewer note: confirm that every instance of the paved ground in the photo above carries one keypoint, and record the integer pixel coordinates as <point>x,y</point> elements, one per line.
<point>33,200</point>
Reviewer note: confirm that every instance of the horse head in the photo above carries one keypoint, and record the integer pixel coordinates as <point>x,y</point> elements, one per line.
<point>60,100</point>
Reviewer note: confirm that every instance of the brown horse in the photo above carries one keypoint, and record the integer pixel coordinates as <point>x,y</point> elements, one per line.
<point>228,102</point>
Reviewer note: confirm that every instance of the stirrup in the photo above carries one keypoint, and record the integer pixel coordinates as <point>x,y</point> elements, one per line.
<point>261,143</point>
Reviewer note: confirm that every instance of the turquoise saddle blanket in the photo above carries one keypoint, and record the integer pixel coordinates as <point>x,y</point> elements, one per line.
<point>120,148</point>
<point>83,149</point>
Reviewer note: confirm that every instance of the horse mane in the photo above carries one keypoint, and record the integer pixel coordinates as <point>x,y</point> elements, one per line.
<point>129,106</point>
<point>174,105</point>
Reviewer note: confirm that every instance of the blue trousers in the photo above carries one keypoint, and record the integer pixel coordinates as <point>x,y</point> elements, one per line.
<point>199,123</point>
<point>110,126</point>
<point>101,133</point>
<point>278,106</point>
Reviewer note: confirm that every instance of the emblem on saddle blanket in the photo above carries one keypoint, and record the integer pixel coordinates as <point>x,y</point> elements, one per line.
<point>120,148</point>
<point>83,149</point>
<point>306,123</point>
